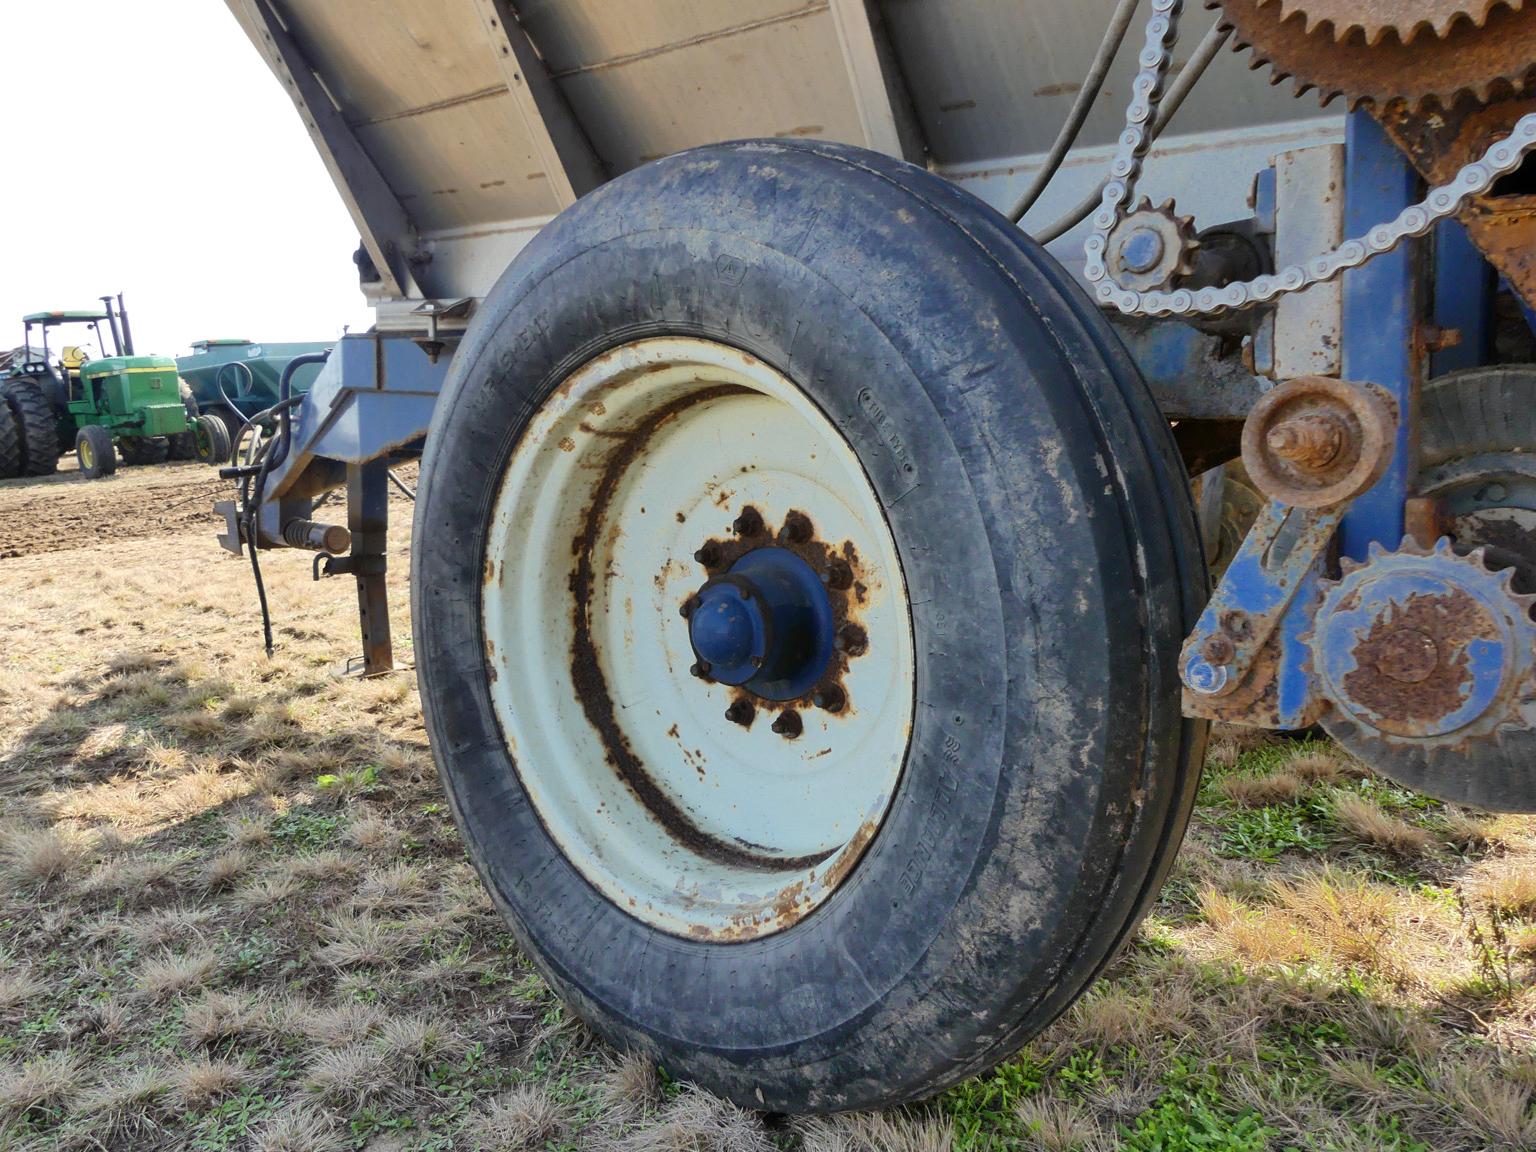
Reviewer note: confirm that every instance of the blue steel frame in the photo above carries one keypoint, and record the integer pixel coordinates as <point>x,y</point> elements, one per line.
<point>1385,304</point>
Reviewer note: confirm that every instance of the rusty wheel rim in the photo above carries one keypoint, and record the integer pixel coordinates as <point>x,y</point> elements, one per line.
<point>694,805</point>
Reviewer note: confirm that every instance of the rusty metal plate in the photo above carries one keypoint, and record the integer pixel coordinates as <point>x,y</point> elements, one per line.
<point>1502,223</point>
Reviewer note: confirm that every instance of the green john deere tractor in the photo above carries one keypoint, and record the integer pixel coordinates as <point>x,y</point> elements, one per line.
<point>101,404</point>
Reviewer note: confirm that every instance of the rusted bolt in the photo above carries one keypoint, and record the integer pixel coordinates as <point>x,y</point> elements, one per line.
<point>741,712</point>
<point>832,698</point>
<point>798,528</point>
<point>709,555</point>
<point>1433,338</point>
<point>789,725</point>
<point>690,606</point>
<point>701,669</point>
<point>1311,441</point>
<point>1236,624</point>
<point>749,523</point>
<point>1408,656</point>
<point>839,575</point>
<point>852,639</point>
<point>1219,649</point>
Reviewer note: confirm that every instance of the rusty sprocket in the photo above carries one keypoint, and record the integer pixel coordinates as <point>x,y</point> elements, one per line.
<point>1483,59</point>
<point>1373,19</point>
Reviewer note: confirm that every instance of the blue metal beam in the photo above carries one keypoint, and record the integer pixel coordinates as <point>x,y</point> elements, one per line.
<point>1381,314</point>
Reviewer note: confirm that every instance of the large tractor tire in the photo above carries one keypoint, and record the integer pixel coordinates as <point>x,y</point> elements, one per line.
<point>801,571</point>
<point>37,423</point>
<point>138,450</point>
<point>95,453</point>
<point>10,445</point>
<point>182,446</point>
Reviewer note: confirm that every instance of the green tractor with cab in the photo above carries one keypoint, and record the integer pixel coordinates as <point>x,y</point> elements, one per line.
<point>100,398</point>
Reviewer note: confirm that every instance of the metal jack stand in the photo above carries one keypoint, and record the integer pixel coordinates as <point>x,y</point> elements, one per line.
<point>368,562</point>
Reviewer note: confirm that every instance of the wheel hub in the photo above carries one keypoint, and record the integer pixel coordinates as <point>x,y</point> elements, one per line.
<point>765,625</point>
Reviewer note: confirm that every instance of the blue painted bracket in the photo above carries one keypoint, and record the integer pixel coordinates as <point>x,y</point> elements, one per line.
<point>1246,661</point>
<point>1265,605</point>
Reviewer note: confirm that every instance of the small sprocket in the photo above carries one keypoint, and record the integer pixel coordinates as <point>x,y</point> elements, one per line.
<point>1152,249</point>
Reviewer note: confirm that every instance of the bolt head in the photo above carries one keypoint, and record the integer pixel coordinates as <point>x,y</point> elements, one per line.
<point>1219,649</point>
<point>701,669</point>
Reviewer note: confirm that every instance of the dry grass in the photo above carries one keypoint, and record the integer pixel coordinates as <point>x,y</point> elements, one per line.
<point>1509,889</point>
<point>1373,826</point>
<point>41,856</point>
<point>524,1118</point>
<point>1257,791</point>
<point>202,946</point>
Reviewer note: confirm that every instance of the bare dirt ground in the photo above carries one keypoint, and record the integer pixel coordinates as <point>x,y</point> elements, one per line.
<point>234,914</point>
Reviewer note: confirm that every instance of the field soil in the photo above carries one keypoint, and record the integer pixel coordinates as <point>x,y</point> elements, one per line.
<point>235,914</point>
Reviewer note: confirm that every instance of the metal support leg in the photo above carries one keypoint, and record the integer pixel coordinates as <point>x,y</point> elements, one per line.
<point>368,520</point>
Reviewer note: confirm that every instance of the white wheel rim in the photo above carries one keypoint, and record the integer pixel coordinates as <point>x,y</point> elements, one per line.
<point>726,833</point>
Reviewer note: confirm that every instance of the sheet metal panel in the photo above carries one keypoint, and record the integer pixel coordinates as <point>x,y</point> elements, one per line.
<point>782,77</point>
<point>992,79</point>
<point>424,90</point>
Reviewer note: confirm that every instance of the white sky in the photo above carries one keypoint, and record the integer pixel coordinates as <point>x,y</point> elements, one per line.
<point>168,164</point>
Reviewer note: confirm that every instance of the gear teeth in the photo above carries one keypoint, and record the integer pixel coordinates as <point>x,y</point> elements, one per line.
<point>1343,26</point>
<point>1294,29</point>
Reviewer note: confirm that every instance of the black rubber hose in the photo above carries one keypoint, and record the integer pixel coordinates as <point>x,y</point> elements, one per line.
<point>1092,85</point>
<point>285,395</point>
<point>1178,91</point>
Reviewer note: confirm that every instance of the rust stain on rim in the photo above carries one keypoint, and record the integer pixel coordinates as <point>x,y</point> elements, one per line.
<point>591,685</point>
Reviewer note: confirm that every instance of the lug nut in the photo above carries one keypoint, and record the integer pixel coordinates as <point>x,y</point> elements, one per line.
<point>789,725</point>
<point>741,712</point>
<point>832,698</point>
<point>839,575</point>
<point>701,669</point>
<point>690,606</point>
<point>798,528</point>
<point>709,555</point>
<point>852,639</point>
<point>749,523</point>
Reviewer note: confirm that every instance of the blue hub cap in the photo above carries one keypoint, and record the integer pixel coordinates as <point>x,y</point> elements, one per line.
<point>766,625</point>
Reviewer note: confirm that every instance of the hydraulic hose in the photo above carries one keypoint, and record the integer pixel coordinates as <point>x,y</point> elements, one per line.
<point>1092,85</point>
<point>1178,91</point>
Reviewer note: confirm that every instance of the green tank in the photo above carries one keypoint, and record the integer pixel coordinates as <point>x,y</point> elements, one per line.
<point>233,380</point>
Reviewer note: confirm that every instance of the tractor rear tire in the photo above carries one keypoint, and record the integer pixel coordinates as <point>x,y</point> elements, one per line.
<point>831,313</point>
<point>210,436</point>
<point>10,445</point>
<point>143,450</point>
<point>94,451</point>
<point>183,446</point>
<point>37,424</point>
